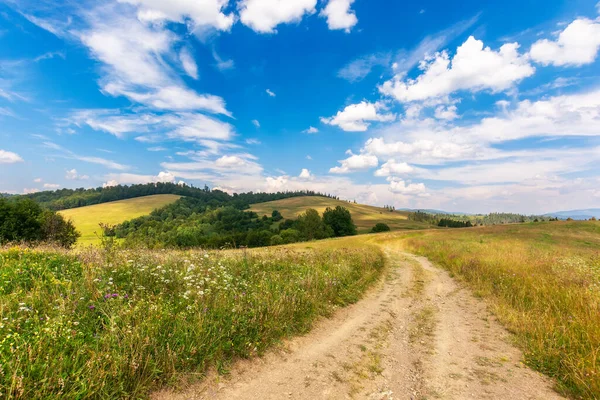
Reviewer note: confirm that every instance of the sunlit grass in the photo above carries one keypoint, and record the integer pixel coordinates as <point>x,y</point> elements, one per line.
<point>118,324</point>
<point>543,282</point>
<point>87,219</point>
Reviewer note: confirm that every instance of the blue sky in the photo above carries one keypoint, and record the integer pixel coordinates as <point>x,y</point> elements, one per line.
<point>475,106</point>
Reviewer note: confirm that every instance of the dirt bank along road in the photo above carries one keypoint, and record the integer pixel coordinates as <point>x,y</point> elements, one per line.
<point>416,335</point>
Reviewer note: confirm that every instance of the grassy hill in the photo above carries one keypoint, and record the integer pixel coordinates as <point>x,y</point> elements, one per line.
<point>86,219</point>
<point>365,217</point>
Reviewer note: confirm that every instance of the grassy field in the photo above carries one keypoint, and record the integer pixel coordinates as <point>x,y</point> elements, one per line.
<point>365,217</point>
<point>542,280</point>
<point>94,323</point>
<point>86,219</point>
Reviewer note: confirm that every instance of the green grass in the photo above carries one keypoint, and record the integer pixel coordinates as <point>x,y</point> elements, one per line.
<point>365,217</point>
<point>105,324</point>
<point>542,281</point>
<point>86,219</point>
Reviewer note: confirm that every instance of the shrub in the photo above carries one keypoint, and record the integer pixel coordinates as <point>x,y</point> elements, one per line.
<point>380,227</point>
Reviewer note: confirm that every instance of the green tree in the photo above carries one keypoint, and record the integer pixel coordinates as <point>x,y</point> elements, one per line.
<point>312,227</point>
<point>380,227</point>
<point>276,240</point>
<point>276,215</point>
<point>340,221</point>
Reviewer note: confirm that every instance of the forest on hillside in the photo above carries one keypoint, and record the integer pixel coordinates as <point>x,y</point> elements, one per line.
<point>63,199</point>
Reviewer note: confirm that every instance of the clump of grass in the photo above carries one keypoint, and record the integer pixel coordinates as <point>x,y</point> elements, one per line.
<point>547,292</point>
<point>122,323</point>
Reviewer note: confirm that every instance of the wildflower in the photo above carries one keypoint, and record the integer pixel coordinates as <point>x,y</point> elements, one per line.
<point>92,307</point>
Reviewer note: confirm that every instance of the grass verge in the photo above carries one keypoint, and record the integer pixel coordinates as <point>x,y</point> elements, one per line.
<point>543,281</point>
<point>119,324</point>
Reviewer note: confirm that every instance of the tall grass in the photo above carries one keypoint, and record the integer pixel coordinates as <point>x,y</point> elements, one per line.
<point>118,324</point>
<point>543,281</point>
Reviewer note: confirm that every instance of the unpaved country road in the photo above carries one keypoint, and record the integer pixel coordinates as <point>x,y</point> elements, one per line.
<point>416,335</point>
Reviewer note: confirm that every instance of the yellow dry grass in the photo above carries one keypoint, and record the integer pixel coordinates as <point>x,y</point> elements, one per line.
<point>365,217</point>
<point>86,219</point>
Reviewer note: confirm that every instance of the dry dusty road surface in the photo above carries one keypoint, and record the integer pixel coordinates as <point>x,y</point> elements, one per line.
<point>416,335</point>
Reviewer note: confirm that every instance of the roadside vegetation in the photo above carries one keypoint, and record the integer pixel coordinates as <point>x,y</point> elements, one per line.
<point>118,324</point>
<point>543,282</point>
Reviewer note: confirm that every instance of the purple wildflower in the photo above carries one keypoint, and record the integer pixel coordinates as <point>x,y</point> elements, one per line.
<point>92,307</point>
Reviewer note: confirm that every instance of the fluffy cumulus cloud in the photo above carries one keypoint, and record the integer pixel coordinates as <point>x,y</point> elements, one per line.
<point>51,186</point>
<point>8,157</point>
<point>358,117</point>
<point>576,45</point>
<point>205,13</point>
<point>355,162</point>
<point>305,174</point>
<point>73,175</point>
<point>392,168</point>
<point>310,130</point>
<point>401,187</point>
<point>339,15</point>
<point>473,67</point>
<point>263,16</point>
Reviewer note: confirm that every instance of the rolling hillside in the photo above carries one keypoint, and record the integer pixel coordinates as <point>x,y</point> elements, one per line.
<point>86,219</point>
<point>365,217</point>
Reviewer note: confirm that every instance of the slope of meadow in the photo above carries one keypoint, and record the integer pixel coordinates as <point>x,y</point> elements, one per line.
<point>542,281</point>
<point>365,217</point>
<point>86,219</point>
<point>117,323</point>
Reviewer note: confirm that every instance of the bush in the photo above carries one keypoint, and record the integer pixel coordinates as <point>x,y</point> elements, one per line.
<point>276,240</point>
<point>380,227</point>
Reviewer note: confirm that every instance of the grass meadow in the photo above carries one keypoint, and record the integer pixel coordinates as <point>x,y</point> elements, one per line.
<point>86,219</point>
<point>117,324</point>
<point>542,281</point>
<point>365,217</point>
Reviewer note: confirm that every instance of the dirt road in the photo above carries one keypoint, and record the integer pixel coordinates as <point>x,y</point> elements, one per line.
<point>416,335</point>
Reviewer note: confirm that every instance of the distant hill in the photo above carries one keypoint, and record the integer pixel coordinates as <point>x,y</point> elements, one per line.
<point>88,218</point>
<point>365,217</point>
<point>576,214</point>
<point>432,211</point>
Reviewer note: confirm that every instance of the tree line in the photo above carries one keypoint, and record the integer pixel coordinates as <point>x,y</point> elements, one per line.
<point>191,223</point>
<point>461,221</point>
<point>24,220</point>
<point>72,198</point>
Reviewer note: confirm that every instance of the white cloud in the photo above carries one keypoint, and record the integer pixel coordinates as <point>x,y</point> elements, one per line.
<point>576,45</point>
<point>339,15</point>
<point>136,179</point>
<point>310,130</point>
<point>73,175</point>
<point>256,123</point>
<point>263,16</point>
<point>37,180</point>
<point>401,187</point>
<point>423,150</point>
<point>29,191</point>
<point>51,186</point>
<point>194,127</point>
<point>94,160</point>
<point>392,168</point>
<point>205,13</point>
<point>446,112</point>
<point>157,148</point>
<point>8,157</point>
<point>473,67</point>
<point>222,65</point>
<point>357,117</point>
<point>355,162</point>
<point>252,141</point>
<point>188,63</point>
<point>134,62</point>
<point>270,93</point>
<point>305,174</point>
<point>308,157</point>
<point>358,69</point>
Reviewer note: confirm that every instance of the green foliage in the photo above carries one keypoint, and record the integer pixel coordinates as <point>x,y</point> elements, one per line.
<point>380,227</point>
<point>276,240</point>
<point>71,198</point>
<point>340,221</point>
<point>121,324</point>
<point>276,215</point>
<point>25,221</point>
<point>450,223</point>
<point>311,226</point>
